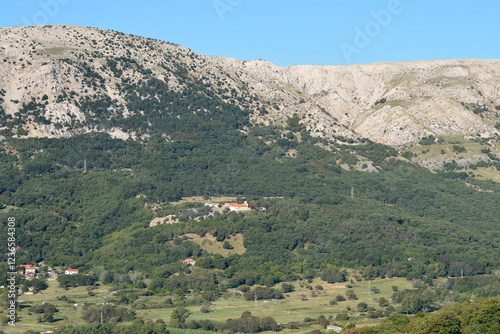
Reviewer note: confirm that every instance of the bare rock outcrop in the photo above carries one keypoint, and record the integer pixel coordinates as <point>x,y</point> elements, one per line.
<point>396,104</point>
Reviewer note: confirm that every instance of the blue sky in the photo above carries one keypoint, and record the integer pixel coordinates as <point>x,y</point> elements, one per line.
<point>321,32</point>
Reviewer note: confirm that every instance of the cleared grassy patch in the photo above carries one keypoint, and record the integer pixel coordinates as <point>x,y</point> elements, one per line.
<point>9,208</point>
<point>211,245</point>
<point>439,153</point>
<point>486,173</point>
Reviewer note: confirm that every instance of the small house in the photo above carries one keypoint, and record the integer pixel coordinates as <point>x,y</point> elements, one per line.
<point>190,262</point>
<point>29,269</point>
<point>71,272</point>
<point>237,207</point>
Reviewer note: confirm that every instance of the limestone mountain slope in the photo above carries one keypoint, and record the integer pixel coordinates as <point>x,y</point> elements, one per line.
<point>390,103</point>
<point>62,80</point>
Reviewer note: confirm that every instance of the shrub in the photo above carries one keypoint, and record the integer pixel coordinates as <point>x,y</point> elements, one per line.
<point>205,309</point>
<point>339,298</point>
<point>362,307</point>
<point>351,295</point>
<point>286,287</point>
<point>343,316</point>
<point>382,302</point>
<point>227,245</point>
<point>407,155</point>
<point>459,149</point>
<point>245,288</point>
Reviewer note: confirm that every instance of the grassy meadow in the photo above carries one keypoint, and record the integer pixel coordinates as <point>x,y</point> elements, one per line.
<point>307,301</point>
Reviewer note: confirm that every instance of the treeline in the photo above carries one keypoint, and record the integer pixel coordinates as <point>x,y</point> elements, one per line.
<point>263,293</point>
<point>247,323</point>
<point>479,316</point>
<point>108,314</point>
<point>70,281</point>
<point>135,328</point>
<point>46,312</point>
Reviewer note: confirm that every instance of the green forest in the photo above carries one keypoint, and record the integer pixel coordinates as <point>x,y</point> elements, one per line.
<point>66,216</point>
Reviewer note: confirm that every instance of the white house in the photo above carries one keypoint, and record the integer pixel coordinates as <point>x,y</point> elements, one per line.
<point>237,207</point>
<point>71,272</point>
<point>28,269</point>
<point>190,262</point>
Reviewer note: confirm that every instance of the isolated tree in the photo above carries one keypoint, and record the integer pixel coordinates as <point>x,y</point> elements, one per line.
<point>205,309</point>
<point>179,317</point>
<point>351,295</point>
<point>323,322</point>
<point>339,298</point>
<point>287,287</point>
<point>382,302</point>
<point>362,307</point>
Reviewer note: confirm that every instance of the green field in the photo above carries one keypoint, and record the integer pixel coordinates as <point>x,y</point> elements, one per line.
<point>298,305</point>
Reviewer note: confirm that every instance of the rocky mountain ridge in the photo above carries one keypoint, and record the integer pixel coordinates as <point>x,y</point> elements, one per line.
<point>62,80</point>
<point>391,103</point>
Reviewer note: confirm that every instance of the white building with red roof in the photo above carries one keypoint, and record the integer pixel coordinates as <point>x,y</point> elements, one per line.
<point>29,269</point>
<point>190,262</point>
<point>71,272</point>
<point>237,207</point>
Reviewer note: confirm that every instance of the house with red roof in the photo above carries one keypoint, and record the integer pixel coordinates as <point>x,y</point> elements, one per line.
<point>237,207</point>
<point>190,262</point>
<point>29,269</point>
<point>71,272</point>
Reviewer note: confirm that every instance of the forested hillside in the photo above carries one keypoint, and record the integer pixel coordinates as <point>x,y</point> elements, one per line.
<point>402,220</point>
